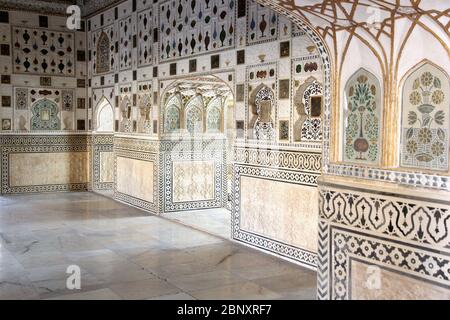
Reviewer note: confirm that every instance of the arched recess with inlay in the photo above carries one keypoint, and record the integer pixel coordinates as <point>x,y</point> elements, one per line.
<point>103,54</point>
<point>362,118</point>
<point>104,116</point>
<point>425,128</point>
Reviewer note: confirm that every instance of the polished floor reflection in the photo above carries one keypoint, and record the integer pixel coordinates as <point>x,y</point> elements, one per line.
<point>214,221</point>
<point>124,253</point>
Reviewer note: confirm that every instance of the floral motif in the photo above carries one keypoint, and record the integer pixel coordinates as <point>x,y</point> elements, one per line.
<point>425,135</point>
<point>411,146</point>
<point>415,98</point>
<point>426,138</point>
<point>362,131</point>
<point>437,149</point>
<point>438,97</point>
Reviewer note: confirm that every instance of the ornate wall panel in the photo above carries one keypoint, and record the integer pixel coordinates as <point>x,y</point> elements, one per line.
<point>40,51</point>
<point>425,119</point>
<point>194,27</point>
<point>144,104</point>
<point>307,97</point>
<point>102,161</point>
<point>44,115</point>
<point>126,32</point>
<point>262,23</point>
<point>293,172</point>
<point>145,30</point>
<point>363,118</point>
<point>136,173</point>
<point>193,181</point>
<point>390,231</point>
<point>206,157</point>
<point>261,102</point>
<point>40,58</point>
<point>102,46</point>
<point>25,160</point>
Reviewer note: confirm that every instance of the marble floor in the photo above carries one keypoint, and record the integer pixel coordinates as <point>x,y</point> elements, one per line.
<point>124,253</point>
<point>214,221</point>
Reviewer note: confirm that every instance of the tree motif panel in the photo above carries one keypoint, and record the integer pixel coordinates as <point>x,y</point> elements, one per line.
<point>425,119</point>
<point>172,114</point>
<point>144,22</point>
<point>103,60</point>
<point>126,42</point>
<point>191,27</point>
<point>40,51</point>
<point>144,102</point>
<point>194,115</point>
<point>362,118</point>
<point>262,23</point>
<point>126,108</point>
<point>214,115</point>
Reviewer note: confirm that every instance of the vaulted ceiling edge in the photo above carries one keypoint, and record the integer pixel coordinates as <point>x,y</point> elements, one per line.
<point>53,7</point>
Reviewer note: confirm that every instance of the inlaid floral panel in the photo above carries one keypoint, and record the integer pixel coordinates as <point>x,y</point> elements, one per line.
<point>425,119</point>
<point>362,118</point>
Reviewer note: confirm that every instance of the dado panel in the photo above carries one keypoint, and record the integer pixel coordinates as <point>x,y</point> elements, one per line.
<point>274,201</point>
<point>142,186</point>
<point>43,163</point>
<point>33,169</point>
<point>290,216</point>
<point>136,172</point>
<point>370,239</point>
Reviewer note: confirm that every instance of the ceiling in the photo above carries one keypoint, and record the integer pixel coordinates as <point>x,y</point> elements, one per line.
<point>375,16</point>
<point>57,7</point>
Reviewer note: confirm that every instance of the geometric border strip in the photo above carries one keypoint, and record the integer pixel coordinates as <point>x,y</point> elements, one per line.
<point>400,218</point>
<point>96,167</point>
<point>409,261</point>
<point>432,181</point>
<point>304,257</point>
<point>294,160</point>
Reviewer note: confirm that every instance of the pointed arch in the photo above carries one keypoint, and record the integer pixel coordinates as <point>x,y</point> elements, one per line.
<point>362,118</point>
<point>172,113</point>
<point>214,112</point>
<point>103,54</point>
<point>194,114</point>
<point>104,116</point>
<point>425,123</point>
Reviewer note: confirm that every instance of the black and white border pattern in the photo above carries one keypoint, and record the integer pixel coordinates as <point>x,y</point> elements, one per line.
<point>304,257</point>
<point>401,233</point>
<point>100,143</point>
<point>192,150</point>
